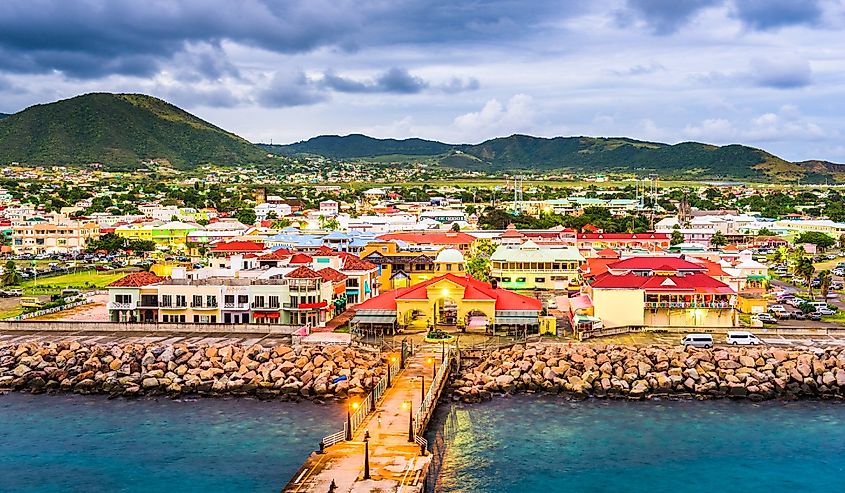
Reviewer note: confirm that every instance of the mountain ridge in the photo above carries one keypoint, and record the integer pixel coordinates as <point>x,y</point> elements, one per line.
<point>120,130</point>
<point>575,154</point>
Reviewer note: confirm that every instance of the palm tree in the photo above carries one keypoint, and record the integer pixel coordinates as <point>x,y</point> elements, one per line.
<point>781,254</point>
<point>805,269</point>
<point>825,278</point>
<point>10,276</point>
<point>280,223</point>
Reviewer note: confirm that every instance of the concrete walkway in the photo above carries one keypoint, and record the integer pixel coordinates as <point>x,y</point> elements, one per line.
<point>395,463</point>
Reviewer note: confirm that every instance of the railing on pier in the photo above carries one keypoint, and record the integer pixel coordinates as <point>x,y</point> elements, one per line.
<point>366,407</point>
<point>442,437</point>
<point>427,405</point>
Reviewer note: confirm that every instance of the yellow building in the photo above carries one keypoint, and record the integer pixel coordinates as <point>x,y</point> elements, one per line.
<point>449,300</point>
<point>400,268</point>
<point>172,235</point>
<point>530,266</point>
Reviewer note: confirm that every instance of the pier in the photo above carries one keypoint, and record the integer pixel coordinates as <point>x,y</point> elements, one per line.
<point>381,448</point>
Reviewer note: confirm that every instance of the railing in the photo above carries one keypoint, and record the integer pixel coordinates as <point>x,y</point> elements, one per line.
<point>205,306</point>
<point>367,406</point>
<point>148,304</point>
<point>241,306</point>
<point>433,393</point>
<point>687,304</point>
<point>48,311</point>
<point>114,305</point>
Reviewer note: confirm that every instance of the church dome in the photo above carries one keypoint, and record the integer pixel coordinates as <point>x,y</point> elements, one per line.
<point>450,256</point>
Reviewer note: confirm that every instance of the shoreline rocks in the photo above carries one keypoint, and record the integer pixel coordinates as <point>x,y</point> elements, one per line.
<point>284,372</point>
<point>642,372</point>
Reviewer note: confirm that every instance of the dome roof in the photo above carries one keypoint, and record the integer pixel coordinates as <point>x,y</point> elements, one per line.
<point>450,256</point>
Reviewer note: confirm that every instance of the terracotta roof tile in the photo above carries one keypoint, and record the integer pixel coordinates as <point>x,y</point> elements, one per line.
<point>303,273</point>
<point>136,280</point>
<point>333,275</point>
<point>238,246</point>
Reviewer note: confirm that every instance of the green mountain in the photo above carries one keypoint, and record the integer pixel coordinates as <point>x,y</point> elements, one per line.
<point>118,130</point>
<point>690,160</point>
<point>360,146</point>
<point>3,115</point>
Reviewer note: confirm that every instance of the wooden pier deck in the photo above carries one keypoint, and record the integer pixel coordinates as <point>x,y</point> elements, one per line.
<point>395,462</point>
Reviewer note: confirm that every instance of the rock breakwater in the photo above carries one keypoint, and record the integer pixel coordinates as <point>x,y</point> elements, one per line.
<point>181,369</point>
<point>756,373</point>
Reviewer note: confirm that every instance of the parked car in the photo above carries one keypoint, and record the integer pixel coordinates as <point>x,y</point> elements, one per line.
<point>741,338</point>
<point>825,311</point>
<point>799,315</point>
<point>698,340</point>
<point>815,316</point>
<point>779,312</point>
<point>838,272</point>
<point>766,318</point>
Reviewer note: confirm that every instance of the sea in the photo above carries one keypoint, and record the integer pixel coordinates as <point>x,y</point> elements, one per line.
<point>523,444</point>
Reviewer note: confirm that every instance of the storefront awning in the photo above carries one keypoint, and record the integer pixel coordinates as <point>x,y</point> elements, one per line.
<point>517,321</point>
<point>373,319</point>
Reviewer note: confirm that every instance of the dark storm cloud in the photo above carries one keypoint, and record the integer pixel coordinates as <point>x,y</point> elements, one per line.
<point>663,17</point>
<point>291,89</point>
<point>394,80</point>
<point>784,73</point>
<point>99,37</point>
<point>772,14</point>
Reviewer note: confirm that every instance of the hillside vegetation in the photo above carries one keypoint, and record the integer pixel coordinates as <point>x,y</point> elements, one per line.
<point>689,160</point>
<point>118,130</point>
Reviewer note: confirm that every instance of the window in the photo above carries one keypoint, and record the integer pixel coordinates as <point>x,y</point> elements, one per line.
<point>165,318</point>
<point>539,279</point>
<point>196,319</point>
<point>181,318</point>
<point>197,301</point>
<point>520,279</point>
<point>274,302</point>
<point>123,298</point>
<point>258,302</point>
<point>211,300</point>
<point>229,298</point>
<point>181,301</point>
<point>243,299</point>
<point>506,279</point>
<point>166,300</point>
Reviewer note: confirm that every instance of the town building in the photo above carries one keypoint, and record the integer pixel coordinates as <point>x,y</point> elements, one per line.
<point>532,267</point>
<point>36,236</point>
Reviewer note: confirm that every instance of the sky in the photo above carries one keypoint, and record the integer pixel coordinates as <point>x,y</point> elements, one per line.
<point>766,73</point>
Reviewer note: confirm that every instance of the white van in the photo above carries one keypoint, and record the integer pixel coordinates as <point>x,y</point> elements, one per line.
<point>742,339</point>
<point>698,340</point>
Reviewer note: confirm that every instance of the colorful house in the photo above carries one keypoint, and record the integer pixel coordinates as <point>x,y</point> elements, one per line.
<point>530,266</point>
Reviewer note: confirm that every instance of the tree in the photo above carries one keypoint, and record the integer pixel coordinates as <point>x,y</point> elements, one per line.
<point>781,254</point>
<point>677,238</point>
<point>765,232</point>
<point>718,239</point>
<point>821,240</point>
<point>825,278</point>
<point>11,276</point>
<point>805,269</point>
<point>280,223</point>
<point>478,266</point>
<point>456,227</point>
<point>246,216</point>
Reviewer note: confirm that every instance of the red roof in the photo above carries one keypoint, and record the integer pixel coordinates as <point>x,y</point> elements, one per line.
<point>238,246</point>
<point>473,290</point>
<point>697,282</point>
<point>608,253</point>
<point>325,251</point>
<point>279,254</point>
<point>352,262</point>
<point>713,269</point>
<point>136,280</point>
<point>431,238</point>
<point>303,273</point>
<point>624,236</point>
<point>333,275</point>
<point>661,263</point>
<point>511,232</point>
<point>300,258</point>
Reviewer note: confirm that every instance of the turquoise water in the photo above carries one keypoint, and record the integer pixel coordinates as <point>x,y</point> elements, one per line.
<point>544,444</point>
<point>90,444</point>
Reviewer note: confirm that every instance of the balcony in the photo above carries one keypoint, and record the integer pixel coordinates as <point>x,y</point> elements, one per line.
<point>236,306</point>
<point>265,308</point>
<point>148,303</point>
<point>200,306</point>
<point>687,304</point>
<point>305,306</point>
<point>114,305</point>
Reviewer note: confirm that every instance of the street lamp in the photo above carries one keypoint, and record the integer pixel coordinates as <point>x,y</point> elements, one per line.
<point>351,406</point>
<point>407,405</point>
<point>367,454</point>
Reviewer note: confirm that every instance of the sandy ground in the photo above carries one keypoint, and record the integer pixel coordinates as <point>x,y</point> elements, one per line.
<point>93,312</point>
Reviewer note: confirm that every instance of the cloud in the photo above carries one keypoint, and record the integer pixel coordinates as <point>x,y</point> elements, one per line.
<point>394,80</point>
<point>635,70</point>
<point>662,17</point>
<point>497,119</point>
<point>772,14</point>
<point>457,84</point>
<point>781,73</point>
<point>290,89</point>
<point>787,123</point>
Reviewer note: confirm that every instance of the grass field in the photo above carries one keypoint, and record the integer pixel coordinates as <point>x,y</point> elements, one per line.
<point>90,279</point>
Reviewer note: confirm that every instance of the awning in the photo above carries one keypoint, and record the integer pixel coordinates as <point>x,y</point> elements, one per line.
<point>373,319</point>
<point>267,315</point>
<point>517,321</point>
<point>478,322</point>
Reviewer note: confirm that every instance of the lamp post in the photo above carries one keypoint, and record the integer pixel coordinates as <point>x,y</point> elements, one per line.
<point>353,405</point>
<point>410,407</point>
<point>367,454</point>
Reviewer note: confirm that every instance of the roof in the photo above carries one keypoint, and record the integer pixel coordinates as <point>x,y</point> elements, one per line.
<point>473,290</point>
<point>303,273</point>
<point>693,283</point>
<point>623,236</point>
<point>333,275</point>
<point>531,252</point>
<point>325,251</point>
<point>278,254</point>
<point>352,262</point>
<point>300,258</point>
<point>662,263</point>
<point>436,238</point>
<point>136,280</point>
<point>238,246</point>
